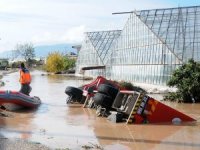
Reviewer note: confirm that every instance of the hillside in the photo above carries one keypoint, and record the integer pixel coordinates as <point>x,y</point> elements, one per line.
<point>44,50</point>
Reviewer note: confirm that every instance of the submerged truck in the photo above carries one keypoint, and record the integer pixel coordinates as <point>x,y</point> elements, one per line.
<point>3,63</point>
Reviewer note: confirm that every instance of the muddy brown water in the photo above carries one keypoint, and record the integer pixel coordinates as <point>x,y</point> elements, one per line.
<point>61,126</point>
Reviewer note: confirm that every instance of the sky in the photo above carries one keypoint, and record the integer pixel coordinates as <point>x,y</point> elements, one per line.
<point>46,22</point>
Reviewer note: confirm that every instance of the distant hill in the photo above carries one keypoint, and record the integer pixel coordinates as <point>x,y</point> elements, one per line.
<point>44,50</point>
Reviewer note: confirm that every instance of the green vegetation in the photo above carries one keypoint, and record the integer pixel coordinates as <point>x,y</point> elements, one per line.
<point>126,85</point>
<point>56,62</point>
<point>129,86</point>
<point>68,63</point>
<point>187,81</point>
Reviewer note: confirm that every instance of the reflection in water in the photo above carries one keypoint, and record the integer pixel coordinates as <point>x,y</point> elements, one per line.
<point>59,125</point>
<point>148,136</point>
<point>21,121</point>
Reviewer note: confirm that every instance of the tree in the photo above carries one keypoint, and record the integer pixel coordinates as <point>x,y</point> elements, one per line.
<point>54,62</point>
<point>68,62</point>
<point>27,51</point>
<point>187,80</point>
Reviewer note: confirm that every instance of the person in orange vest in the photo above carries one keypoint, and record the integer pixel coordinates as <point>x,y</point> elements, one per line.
<point>25,80</point>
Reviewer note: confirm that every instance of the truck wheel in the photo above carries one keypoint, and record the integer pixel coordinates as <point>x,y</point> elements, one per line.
<point>103,100</point>
<point>108,90</point>
<point>75,93</point>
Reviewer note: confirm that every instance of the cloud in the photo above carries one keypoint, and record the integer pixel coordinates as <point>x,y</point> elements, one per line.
<point>72,35</point>
<point>51,21</point>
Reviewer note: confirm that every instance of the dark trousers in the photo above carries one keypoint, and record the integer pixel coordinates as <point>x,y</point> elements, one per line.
<point>25,89</point>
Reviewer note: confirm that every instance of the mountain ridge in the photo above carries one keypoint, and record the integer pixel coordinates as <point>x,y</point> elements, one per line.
<point>44,50</point>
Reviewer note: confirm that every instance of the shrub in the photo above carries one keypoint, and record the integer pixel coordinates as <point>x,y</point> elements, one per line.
<point>187,80</point>
<point>173,96</point>
<point>54,62</point>
<point>126,85</point>
<point>68,63</point>
<point>129,86</point>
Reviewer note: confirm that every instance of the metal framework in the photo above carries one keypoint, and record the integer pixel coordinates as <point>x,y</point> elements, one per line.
<point>96,50</point>
<point>178,28</point>
<point>151,45</point>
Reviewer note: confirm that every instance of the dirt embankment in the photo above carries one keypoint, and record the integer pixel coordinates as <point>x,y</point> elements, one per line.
<point>19,144</point>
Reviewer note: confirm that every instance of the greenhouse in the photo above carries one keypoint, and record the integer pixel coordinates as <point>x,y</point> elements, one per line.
<point>151,45</point>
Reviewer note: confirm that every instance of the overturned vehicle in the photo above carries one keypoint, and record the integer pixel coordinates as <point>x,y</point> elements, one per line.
<point>118,104</point>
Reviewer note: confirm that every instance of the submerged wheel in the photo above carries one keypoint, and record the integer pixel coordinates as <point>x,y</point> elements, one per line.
<point>108,90</point>
<point>74,93</point>
<point>103,100</point>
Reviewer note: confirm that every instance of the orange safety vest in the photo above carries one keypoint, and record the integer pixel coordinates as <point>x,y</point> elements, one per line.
<point>25,77</point>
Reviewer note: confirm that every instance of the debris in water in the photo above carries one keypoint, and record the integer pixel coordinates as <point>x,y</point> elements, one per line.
<point>94,146</point>
<point>87,147</point>
<point>4,114</point>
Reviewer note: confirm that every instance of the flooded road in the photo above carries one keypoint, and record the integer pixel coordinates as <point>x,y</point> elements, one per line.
<point>61,126</point>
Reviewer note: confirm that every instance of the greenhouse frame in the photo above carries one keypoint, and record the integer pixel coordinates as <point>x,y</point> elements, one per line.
<point>152,44</point>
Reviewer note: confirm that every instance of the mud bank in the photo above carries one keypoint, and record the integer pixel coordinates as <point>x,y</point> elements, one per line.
<point>19,144</point>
